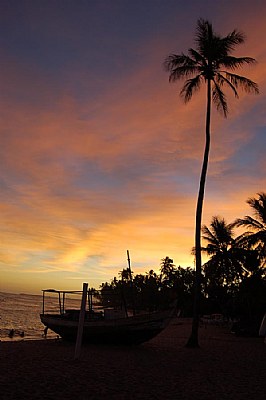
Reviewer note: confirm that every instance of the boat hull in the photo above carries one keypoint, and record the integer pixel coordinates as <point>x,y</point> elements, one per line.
<point>131,330</point>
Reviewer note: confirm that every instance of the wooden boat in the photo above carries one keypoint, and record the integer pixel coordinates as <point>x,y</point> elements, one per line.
<point>108,326</point>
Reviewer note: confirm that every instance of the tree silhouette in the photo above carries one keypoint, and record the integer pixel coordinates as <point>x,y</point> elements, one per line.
<point>227,258</point>
<point>256,238</point>
<point>225,269</point>
<point>167,271</point>
<point>210,63</point>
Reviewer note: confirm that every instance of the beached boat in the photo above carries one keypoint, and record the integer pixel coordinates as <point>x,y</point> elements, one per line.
<point>107,325</point>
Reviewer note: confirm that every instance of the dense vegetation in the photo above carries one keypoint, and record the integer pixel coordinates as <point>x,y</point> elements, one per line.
<point>233,279</point>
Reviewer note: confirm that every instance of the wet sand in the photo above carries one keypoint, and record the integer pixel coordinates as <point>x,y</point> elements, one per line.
<point>224,367</point>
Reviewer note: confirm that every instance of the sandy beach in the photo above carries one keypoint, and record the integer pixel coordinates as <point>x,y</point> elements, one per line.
<point>225,367</point>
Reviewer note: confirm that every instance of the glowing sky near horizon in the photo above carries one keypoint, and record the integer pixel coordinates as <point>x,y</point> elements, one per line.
<point>98,152</point>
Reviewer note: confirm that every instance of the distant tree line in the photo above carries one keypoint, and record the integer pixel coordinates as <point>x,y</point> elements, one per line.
<point>233,279</point>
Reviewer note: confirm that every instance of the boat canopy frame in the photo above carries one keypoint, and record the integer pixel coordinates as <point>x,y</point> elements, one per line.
<point>62,298</point>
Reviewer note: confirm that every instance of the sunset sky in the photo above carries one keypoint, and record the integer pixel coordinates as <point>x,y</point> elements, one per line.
<point>98,152</point>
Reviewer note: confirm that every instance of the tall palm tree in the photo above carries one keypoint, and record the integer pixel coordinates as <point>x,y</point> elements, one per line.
<point>210,63</point>
<point>256,238</point>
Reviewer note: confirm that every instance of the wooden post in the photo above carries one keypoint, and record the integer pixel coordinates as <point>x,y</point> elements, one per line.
<point>43,294</point>
<point>59,300</point>
<point>81,321</point>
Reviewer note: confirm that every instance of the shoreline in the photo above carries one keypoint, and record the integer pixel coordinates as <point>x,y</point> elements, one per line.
<point>28,338</point>
<point>224,367</point>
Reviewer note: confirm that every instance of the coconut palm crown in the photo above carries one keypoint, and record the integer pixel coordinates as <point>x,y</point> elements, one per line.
<point>211,60</point>
<point>226,256</point>
<point>210,63</point>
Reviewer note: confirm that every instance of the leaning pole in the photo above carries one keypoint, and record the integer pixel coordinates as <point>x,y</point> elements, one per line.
<point>81,321</point>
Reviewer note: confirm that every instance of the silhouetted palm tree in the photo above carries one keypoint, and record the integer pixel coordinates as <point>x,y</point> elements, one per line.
<point>125,275</point>
<point>256,238</point>
<point>227,258</point>
<point>167,271</point>
<point>210,63</point>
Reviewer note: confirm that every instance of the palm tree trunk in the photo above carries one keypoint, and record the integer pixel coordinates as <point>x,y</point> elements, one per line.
<point>193,339</point>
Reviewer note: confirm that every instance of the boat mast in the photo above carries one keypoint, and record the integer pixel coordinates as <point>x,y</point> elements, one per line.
<point>131,283</point>
<point>129,267</point>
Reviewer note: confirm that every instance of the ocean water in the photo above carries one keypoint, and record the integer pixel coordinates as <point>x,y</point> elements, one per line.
<point>21,312</point>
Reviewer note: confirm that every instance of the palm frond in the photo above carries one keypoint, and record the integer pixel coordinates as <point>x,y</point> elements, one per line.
<point>249,222</point>
<point>222,231</point>
<point>180,65</point>
<point>181,72</point>
<point>235,62</point>
<point>197,57</point>
<point>211,249</point>
<point>240,81</point>
<point>260,237</point>
<point>175,60</point>
<point>257,235</point>
<point>230,41</point>
<point>259,206</point>
<point>219,99</point>
<point>208,236</point>
<point>190,87</point>
<point>204,36</point>
<point>221,80</point>
<point>251,240</point>
<point>219,236</point>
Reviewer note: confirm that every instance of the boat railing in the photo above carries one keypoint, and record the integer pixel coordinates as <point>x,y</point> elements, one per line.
<point>69,301</point>
<point>49,296</point>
